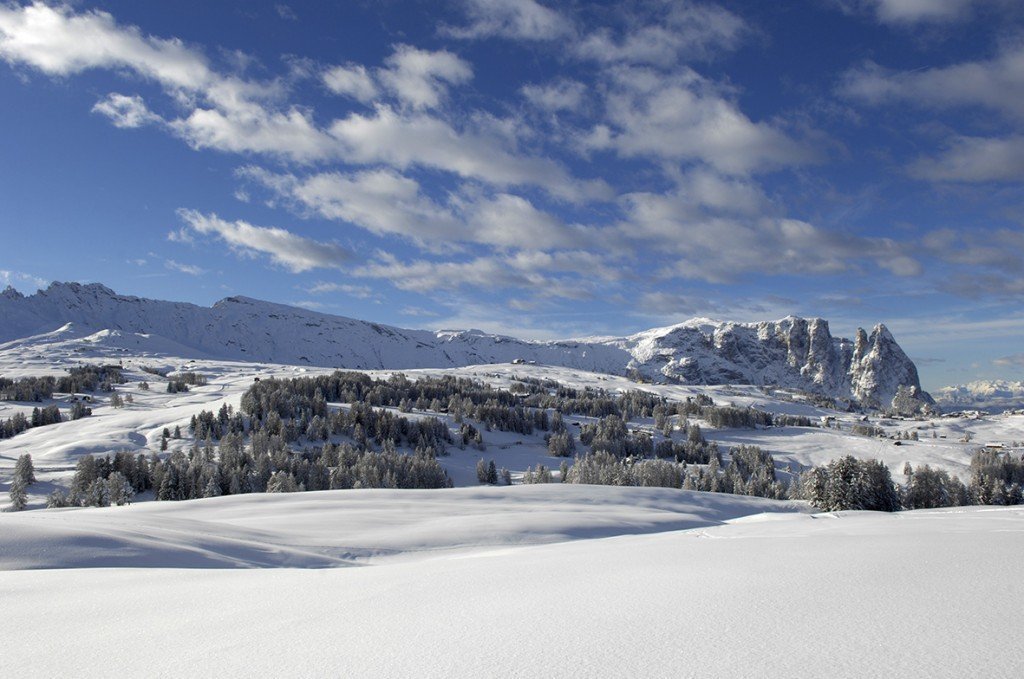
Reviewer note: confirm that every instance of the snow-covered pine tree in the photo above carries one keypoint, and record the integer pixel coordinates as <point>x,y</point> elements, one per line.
<point>24,469</point>
<point>18,494</point>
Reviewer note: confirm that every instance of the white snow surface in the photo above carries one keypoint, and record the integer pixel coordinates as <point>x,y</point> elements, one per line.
<point>542,581</point>
<point>137,427</point>
<point>522,581</point>
<point>791,352</point>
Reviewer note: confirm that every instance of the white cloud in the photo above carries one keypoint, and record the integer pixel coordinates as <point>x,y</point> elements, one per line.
<point>709,189</point>
<point>416,77</point>
<point>417,139</point>
<point>988,261</point>
<point>561,95</point>
<point>910,12</point>
<point>979,248</point>
<point>59,42</point>
<point>251,128</point>
<point>671,31</point>
<point>295,253</point>
<point>190,269</point>
<point>181,235</point>
<point>233,115</point>
<point>125,111</point>
<point>721,248</point>
<point>1014,361</point>
<point>486,273</point>
<point>505,220</point>
<point>351,80</point>
<point>380,201</point>
<point>515,19</point>
<point>684,117</point>
<point>15,278</point>
<point>975,159</point>
<point>286,12</point>
<point>357,291</point>
<point>996,84</point>
<point>417,311</point>
<point>420,78</point>
<point>225,113</point>
<point>385,202</point>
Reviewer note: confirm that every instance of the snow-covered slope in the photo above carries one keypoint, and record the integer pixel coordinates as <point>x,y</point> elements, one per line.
<point>481,586</point>
<point>989,395</point>
<point>332,529</point>
<point>793,352</point>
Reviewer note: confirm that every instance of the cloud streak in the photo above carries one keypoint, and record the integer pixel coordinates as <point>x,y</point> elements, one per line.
<point>284,248</point>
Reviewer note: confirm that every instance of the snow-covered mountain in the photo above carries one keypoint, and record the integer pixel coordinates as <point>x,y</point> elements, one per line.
<point>792,353</point>
<point>990,395</point>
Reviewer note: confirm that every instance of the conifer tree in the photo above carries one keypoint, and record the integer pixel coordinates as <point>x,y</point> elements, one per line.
<point>18,494</point>
<point>25,470</point>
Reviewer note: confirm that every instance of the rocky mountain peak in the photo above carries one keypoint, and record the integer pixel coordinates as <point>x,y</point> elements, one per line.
<point>793,352</point>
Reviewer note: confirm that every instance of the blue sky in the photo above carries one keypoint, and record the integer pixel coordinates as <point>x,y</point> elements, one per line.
<point>538,169</point>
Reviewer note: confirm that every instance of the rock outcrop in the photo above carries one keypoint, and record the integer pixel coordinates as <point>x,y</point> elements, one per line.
<point>792,353</point>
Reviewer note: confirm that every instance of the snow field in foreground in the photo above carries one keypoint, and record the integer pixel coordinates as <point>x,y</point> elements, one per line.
<point>349,527</point>
<point>745,592</point>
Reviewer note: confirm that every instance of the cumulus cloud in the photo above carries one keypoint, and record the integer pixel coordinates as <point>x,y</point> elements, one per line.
<point>182,235</point>
<point>915,12</point>
<point>996,84</point>
<point>975,159</point>
<point>989,261</point>
<point>226,113</point>
<point>417,78</point>
<point>719,248</point>
<point>352,80</point>
<point>59,42</point>
<point>233,115</point>
<point>549,275</point>
<point>663,35</point>
<point>293,252</point>
<point>16,278</point>
<point>385,202</point>
<point>290,134</point>
<point>417,139</point>
<point>125,111</point>
<point>420,78</point>
<point>515,19</point>
<point>561,95</point>
<point>684,117</point>
<point>978,248</point>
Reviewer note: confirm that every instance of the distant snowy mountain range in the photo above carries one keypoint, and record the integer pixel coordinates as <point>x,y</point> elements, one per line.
<point>987,395</point>
<point>793,352</point>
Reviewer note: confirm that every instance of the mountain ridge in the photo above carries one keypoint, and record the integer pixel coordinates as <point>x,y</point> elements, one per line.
<point>871,369</point>
<point>987,395</point>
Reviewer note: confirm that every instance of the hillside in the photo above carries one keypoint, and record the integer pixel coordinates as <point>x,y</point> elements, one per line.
<point>793,352</point>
